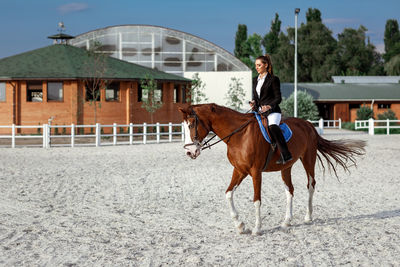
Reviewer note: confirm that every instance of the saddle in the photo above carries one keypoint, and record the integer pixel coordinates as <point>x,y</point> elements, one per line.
<point>262,122</point>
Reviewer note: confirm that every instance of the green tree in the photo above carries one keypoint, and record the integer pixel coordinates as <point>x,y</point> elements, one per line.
<point>306,108</point>
<point>255,50</point>
<point>271,39</point>
<point>393,66</point>
<point>356,57</point>
<point>313,15</point>
<point>196,92</point>
<point>316,47</point>
<point>391,39</point>
<point>151,97</point>
<point>235,96</point>
<point>241,50</point>
<point>283,59</point>
<point>96,67</point>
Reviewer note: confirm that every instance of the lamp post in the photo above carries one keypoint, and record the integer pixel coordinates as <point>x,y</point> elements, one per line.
<point>296,12</point>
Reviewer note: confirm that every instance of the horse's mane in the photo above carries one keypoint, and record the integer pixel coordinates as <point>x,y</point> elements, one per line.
<point>223,109</point>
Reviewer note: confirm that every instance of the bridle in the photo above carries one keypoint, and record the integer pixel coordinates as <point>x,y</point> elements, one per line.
<point>203,146</point>
<point>196,141</point>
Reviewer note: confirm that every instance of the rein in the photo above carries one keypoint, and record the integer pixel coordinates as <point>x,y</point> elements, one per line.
<point>203,146</point>
<point>229,135</point>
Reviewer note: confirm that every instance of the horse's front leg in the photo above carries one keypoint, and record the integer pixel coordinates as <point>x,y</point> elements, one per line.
<point>289,189</point>
<point>237,178</point>
<point>257,201</point>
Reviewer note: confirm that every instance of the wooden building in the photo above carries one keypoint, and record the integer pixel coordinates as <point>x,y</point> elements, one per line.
<point>342,99</point>
<point>50,82</point>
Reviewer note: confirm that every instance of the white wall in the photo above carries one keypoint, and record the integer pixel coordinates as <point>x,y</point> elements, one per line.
<point>217,84</point>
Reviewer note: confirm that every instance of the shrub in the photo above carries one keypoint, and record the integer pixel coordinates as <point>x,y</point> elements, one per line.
<point>389,114</point>
<point>306,108</point>
<point>365,113</point>
<point>349,125</point>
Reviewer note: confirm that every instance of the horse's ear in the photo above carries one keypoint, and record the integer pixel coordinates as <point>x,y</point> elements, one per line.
<point>185,112</point>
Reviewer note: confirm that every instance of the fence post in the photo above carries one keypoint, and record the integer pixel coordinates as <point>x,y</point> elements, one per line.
<point>387,127</point>
<point>158,132</point>
<point>13,136</point>
<point>131,133</point>
<point>144,133</point>
<point>72,135</point>
<point>44,126</point>
<point>183,132</point>
<point>340,123</point>
<point>98,135</point>
<point>170,131</point>
<point>48,136</point>
<point>321,123</point>
<point>371,130</point>
<point>114,133</point>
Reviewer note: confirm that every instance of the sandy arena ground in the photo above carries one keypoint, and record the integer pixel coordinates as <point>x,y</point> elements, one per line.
<point>150,205</point>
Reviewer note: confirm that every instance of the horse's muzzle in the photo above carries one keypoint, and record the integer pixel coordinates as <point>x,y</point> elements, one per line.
<point>193,150</point>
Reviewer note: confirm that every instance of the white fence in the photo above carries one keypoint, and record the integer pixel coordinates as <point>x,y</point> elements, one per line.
<point>142,133</point>
<point>372,124</point>
<point>329,124</point>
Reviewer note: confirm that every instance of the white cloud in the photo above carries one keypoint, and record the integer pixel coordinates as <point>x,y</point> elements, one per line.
<point>380,48</point>
<point>338,21</point>
<point>73,7</point>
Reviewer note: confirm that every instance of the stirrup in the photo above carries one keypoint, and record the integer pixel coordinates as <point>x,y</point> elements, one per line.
<point>283,161</point>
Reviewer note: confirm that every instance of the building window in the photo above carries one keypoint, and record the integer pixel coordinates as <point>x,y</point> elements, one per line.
<point>54,91</point>
<point>177,88</point>
<point>112,92</point>
<point>354,106</point>
<point>383,106</point>
<point>34,92</point>
<point>2,92</point>
<point>92,92</point>
<point>143,94</point>
<point>139,92</point>
<point>158,93</point>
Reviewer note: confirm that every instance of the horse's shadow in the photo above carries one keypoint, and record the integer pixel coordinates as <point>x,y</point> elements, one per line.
<point>331,221</point>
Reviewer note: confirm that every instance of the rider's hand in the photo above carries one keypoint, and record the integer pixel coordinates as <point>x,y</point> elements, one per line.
<point>265,108</point>
<point>252,103</point>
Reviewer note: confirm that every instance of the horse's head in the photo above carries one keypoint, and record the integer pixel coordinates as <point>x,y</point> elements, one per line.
<point>195,131</point>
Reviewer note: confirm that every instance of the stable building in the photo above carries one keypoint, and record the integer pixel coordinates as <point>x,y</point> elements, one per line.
<point>342,98</point>
<point>50,82</point>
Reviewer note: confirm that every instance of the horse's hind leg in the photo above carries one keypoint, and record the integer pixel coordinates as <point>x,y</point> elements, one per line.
<point>237,178</point>
<point>309,165</point>
<point>287,179</point>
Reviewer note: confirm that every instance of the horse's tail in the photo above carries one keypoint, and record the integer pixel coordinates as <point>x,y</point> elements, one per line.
<point>341,152</point>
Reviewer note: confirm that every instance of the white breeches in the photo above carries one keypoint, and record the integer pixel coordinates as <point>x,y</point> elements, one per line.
<point>274,118</point>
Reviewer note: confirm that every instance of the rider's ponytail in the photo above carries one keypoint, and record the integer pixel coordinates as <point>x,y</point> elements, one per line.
<point>266,59</point>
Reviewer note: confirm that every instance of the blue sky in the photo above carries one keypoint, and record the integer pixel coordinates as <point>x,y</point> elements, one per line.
<point>25,24</point>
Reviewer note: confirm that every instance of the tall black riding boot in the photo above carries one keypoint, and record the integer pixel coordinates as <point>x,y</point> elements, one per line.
<point>282,146</point>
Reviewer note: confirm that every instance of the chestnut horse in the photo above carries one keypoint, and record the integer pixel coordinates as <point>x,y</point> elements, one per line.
<point>248,150</point>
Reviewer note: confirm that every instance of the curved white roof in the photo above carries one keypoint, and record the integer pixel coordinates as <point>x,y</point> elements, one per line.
<point>161,48</point>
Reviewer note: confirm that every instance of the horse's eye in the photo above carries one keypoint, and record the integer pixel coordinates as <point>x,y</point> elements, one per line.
<point>191,126</point>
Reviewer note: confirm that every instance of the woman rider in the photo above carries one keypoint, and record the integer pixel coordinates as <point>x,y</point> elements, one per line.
<point>266,98</point>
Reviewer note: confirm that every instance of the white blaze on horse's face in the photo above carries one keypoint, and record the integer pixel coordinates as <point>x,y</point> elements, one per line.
<point>192,150</point>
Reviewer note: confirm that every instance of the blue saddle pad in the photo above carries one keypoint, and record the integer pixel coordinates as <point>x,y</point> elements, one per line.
<point>287,133</point>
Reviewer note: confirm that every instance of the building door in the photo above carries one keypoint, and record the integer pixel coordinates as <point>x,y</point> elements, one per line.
<point>325,111</point>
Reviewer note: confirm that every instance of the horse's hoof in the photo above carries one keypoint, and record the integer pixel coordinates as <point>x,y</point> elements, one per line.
<point>256,231</point>
<point>308,219</point>
<point>241,228</point>
<point>285,224</point>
